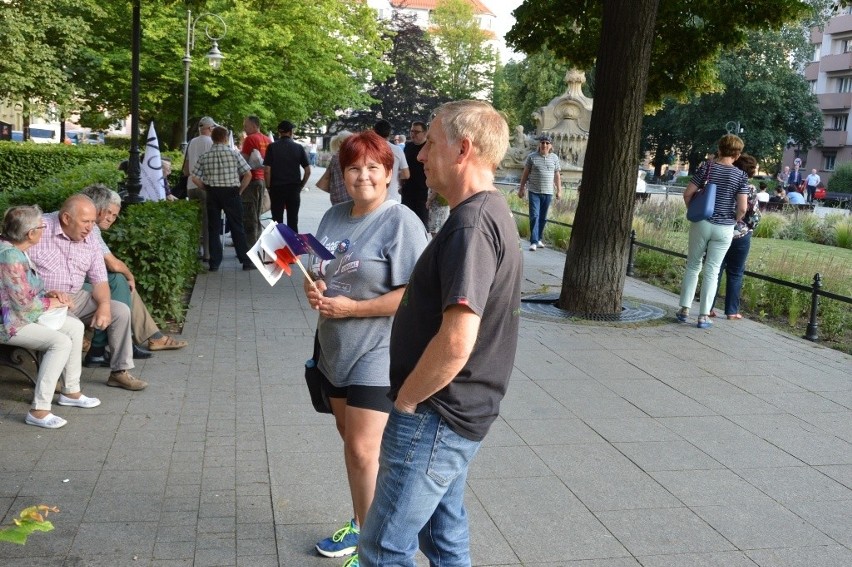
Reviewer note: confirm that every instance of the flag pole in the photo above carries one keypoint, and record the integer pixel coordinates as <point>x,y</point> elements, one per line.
<point>307,275</point>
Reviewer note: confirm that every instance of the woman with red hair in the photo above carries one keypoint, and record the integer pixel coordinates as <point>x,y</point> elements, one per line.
<point>376,243</point>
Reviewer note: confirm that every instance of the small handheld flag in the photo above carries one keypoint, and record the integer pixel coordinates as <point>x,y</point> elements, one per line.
<point>279,246</point>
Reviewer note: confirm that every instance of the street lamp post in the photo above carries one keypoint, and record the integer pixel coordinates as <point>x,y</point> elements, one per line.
<point>214,57</point>
<point>134,183</point>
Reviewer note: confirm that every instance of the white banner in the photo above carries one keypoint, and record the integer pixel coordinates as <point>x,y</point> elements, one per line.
<point>153,187</point>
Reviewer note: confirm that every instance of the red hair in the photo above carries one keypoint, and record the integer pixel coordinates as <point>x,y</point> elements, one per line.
<point>367,145</point>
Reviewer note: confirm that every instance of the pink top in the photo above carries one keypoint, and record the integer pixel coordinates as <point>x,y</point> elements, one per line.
<point>64,264</point>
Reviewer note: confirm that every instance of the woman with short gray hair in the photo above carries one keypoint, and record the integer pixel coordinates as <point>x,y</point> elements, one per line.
<point>37,319</point>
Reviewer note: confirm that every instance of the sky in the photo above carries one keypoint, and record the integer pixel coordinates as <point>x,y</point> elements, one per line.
<point>503,9</point>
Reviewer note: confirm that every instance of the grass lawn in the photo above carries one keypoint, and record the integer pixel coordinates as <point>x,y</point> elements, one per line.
<point>791,260</point>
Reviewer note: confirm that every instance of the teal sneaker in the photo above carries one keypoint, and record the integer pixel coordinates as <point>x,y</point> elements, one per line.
<point>352,561</point>
<point>343,542</point>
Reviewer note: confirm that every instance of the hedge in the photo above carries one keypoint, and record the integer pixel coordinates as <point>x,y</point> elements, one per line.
<point>23,166</point>
<point>158,241</point>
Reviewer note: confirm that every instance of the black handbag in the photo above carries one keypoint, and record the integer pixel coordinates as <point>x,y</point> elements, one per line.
<point>314,379</point>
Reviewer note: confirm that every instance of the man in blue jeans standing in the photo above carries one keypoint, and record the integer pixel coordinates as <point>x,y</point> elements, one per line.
<point>541,170</point>
<point>452,348</point>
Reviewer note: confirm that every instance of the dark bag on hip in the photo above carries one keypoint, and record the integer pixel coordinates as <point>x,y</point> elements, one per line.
<point>314,379</point>
<point>704,201</point>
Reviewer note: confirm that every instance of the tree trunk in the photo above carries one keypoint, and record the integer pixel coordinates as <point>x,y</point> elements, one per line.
<point>593,279</point>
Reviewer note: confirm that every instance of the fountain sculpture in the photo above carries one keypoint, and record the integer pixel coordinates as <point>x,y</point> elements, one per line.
<point>566,120</point>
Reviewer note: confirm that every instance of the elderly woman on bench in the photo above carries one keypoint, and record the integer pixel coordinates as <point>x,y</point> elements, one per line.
<point>35,319</point>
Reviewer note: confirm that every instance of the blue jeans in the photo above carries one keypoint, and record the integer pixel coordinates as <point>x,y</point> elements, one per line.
<point>539,204</point>
<point>419,494</point>
<point>734,265</point>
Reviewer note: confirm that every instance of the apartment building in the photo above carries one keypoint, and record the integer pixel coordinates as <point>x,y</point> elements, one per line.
<point>830,78</point>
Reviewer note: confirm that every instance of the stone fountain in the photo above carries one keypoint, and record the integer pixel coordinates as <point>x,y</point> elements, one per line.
<point>566,120</point>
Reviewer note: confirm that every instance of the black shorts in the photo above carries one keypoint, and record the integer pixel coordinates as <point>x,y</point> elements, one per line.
<point>364,397</point>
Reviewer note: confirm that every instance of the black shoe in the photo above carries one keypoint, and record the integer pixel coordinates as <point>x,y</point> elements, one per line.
<point>213,269</point>
<point>140,353</point>
<point>249,265</point>
<point>101,361</point>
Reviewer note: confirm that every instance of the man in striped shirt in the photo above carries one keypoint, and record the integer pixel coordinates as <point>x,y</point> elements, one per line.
<point>541,171</point>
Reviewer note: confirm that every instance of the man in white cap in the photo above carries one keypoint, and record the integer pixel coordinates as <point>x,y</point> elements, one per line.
<point>199,145</point>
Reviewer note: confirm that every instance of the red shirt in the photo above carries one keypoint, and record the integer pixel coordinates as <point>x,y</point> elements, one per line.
<point>255,141</point>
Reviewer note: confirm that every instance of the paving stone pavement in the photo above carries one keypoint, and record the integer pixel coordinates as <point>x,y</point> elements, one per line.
<point>656,445</point>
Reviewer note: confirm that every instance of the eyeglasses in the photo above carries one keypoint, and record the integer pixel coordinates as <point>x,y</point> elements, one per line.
<point>413,131</point>
<point>40,227</point>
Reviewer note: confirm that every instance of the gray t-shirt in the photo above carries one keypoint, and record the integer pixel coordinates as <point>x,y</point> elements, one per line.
<point>355,350</point>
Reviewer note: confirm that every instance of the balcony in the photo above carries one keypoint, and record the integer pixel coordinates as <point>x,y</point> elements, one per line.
<point>835,101</point>
<point>816,36</point>
<point>834,138</point>
<point>812,71</point>
<point>838,62</point>
<point>839,24</point>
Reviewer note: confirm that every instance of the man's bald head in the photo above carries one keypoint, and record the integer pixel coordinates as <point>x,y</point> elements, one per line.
<point>77,217</point>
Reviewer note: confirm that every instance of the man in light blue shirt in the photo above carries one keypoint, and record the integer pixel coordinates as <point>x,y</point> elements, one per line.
<point>795,198</point>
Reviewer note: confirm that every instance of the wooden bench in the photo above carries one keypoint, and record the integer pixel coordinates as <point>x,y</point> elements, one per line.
<point>21,360</point>
<point>786,208</point>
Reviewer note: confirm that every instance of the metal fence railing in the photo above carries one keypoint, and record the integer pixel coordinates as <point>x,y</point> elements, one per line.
<point>815,289</point>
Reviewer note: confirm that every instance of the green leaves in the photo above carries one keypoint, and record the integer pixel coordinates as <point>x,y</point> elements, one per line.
<point>689,35</point>
<point>159,241</point>
<point>32,519</point>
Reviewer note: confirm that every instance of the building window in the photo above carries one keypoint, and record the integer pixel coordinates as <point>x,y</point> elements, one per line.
<point>844,84</point>
<point>836,121</point>
<point>828,161</point>
<point>845,45</point>
<point>813,86</point>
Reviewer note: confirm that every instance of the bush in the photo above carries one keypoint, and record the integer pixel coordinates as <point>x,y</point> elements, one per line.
<point>841,180</point>
<point>771,225</point>
<point>118,142</point>
<point>159,241</point>
<point>54,189</point>
<point>23,166</point>
<point>843,234</point>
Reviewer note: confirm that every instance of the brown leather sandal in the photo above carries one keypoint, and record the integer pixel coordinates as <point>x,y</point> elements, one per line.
<point>165,343</point>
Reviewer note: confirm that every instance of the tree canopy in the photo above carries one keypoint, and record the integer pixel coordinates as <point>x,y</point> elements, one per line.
<point>469,61</point>
<point>688,36</point>
<point>283,60</point>
<point>411,91</point>
<point>761,91</point>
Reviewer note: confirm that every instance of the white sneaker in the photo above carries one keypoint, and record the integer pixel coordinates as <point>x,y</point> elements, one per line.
<point>540,244</point>
<point>532,247</point>
<point>49,421</point>
<point>82,402</point>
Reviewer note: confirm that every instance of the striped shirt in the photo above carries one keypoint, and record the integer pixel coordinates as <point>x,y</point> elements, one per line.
<point>543,170</point>
<point>730,182</point>
<point>221,167</point>
<point>64,264</point>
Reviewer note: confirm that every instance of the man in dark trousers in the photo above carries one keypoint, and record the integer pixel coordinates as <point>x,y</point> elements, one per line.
<point>281,171</point>
<point>223,175</point>
<point>414,190</point>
